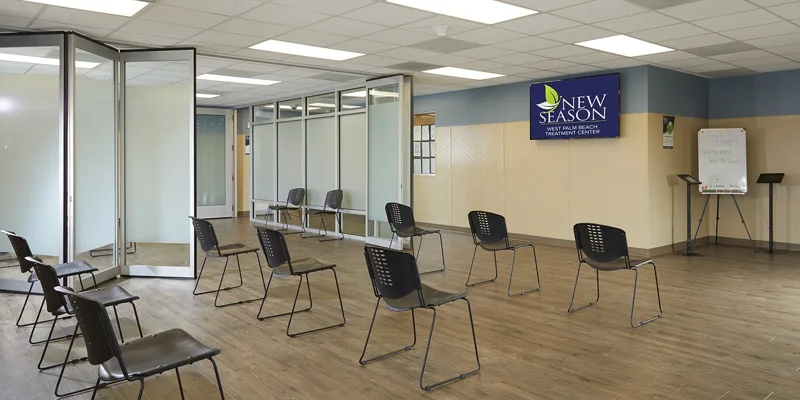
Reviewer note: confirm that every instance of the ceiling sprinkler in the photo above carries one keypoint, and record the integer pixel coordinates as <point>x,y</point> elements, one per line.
<point>440,30</point>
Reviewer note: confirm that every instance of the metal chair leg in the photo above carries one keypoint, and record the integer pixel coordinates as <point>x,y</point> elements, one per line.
<point>428,348</point>
<point>575,288</point>
<point>37,321</point>
<point>222,277</point>
<point>138,323</point>
<point>64,366</point>
<point>420,249</point>
<point>511,277</point>
<point>180,384</point>
<point>473,262</point>
<point>47,343</point>
<point>22,310</point>
<point>219,381</point>
<point>291,315</point>
<point>200,275</point>
<point>141,389</point>
<point>338,217</point>
<point>633,302</point>
<point>319,230</point>
<point>362,361</point>
<point>96,386</point>
<point>260,318</point>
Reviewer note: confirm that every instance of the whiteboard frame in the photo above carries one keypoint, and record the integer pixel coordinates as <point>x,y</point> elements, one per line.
<point>702,187</point>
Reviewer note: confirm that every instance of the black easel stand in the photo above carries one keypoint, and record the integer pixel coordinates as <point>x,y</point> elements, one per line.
<point>716,228</point>
<point>690,180</point>
<point>771,179</point>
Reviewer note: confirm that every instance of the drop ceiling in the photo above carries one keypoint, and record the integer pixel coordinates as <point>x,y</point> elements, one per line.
<point>711,38</point>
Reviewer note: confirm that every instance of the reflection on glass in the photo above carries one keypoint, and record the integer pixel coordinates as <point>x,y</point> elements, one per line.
<point>264,112</point>
<point>263,153</point>
<point>210,160</point>
<point>290,108</point>
<point>353,99</point>
<point>352,150</point>
<point>383,163</point>
<point>320,159</point>
<point>322,104</point>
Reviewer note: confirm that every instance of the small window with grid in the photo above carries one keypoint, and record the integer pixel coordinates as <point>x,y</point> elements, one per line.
<point>424,144</point>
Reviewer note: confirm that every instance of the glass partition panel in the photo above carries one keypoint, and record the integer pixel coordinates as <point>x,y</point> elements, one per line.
<point>320,159</point>
<point>264,113</point>
<point>352,151</point>
<point>159,160</point>
<point>263,153</point>
<point>94,163</point>
<point>290,157</point>
<point>31,158</point>
<point>384,156</point>
<point>353,99</point>
<point>322,104</point>
<point>290,108</point>
<point>212,160</point>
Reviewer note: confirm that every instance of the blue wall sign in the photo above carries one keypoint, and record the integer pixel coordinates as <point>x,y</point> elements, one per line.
<point>575,108</point>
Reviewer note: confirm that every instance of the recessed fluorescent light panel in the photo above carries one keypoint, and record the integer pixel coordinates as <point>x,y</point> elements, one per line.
<point>483,11</point>
<point>125,8</point>
<point>43,60</point>
<point>236,79</point>
<point>278,46</point>
<point>463,73</point>
<point>373,92</point>
<point>624,46</point>
<point>205,95</point>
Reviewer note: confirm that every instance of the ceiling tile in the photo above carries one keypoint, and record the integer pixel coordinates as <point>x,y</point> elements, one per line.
<point>577,34</point>
<point>769,3</point>
<point>543,75</point>
<point>519,59</point>
<point>159,29</point>
<point>514,70</point>
<point>448,59</point>
<point>777,67</point>
<point>399,37</point>
<point>227,7</point>
<point>482,65</point>
<point>786,50</point>
<point>738,20</point>
<point>594,58</point>
<point>142,39</point>
<point>284,15</point>
<point>621,63</point>
<point>255,67</point>
<point>529,43</point>
<point>545,5</point>
<point>728,72</point>
<point>563,51</point>
<point>664,33</point>
<point>445,45</point>
<point>21,9</point>
<point>579,69</point>
<point>227,39</point>
<point>708,39</point>
<point>667,56</point>
<point>378,61</point>
<point>538,23</point>
<point>252,28</point>
<point>775,41</point>
<point>689,62</point>
<point>488,35</point>
<point>725,48</point>
<point>325,6</point>
<point>47,25</point>
<point>756,32</point>
<point>413,66</point>
<point>756,62</point>
<point>743,55</point>
<point>659,4</point>
<point>551,64</point>
<point>707,9</point>
<point>312,38</point>
<point>364,46</point>
<point>82,18</point>
<point>599,10</point>
<point>638,22</point>
<point>454,25</point>
<point>210,47</point>
<point>180,16</point>
<point>486,52</point>
<point>408,53</point>
<point>387,14</point>
<point>715,66</point>
<point>347,27</point>
<point>788,11</point>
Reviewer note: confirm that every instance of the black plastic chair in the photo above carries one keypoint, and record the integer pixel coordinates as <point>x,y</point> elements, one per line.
<point>210,245</point>
<point>605,248</point>
<point>490,233</point>
<point>137,359</point>
<point>61,310</point>
<point>294,202</point>
<point>333,205</point>
<point>395,280</point>
<point>401,220</point>
<point>63,271</point>
<point>273,244</point>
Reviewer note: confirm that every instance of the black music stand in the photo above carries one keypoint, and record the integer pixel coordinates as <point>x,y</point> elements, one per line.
<point>689,251</point>
<point>771,179</point>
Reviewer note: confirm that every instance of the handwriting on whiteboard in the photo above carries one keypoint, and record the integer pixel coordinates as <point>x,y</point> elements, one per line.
<point>721,156</point>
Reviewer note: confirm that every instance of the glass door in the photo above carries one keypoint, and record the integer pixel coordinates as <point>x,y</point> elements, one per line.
<point>158,105</point>
<point>92,148</point>
<point>215,178</point>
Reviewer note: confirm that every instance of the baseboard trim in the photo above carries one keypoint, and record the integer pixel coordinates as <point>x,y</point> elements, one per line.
<point>243,214</point>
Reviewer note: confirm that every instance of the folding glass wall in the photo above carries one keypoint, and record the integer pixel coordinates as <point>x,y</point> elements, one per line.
<point>327,141</point>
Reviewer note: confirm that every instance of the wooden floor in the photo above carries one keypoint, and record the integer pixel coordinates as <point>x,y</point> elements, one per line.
<point>731,331</point>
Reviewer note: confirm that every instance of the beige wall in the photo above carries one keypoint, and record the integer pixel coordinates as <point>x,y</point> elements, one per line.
<point>772,146</point>
<point>242,176</point>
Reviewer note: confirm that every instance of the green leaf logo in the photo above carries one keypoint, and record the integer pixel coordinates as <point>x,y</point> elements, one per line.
<point>552,99</point>
<point>670,128</point>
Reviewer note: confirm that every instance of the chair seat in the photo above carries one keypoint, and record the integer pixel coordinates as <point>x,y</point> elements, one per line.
<point>154,354</point>
<point>433,297</point>
<point>110,296</point>
<point>502,245</point>
<point>415,231</point>
<point>66,270</point>
<point>232,249</point>
<point>616,264</point>
<point>310,211</point>
<point>279,207</point>
<point>302,266</point>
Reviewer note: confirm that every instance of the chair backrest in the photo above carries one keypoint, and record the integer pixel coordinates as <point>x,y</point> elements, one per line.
<point>49,281</point>
<point>487,227</point>
<point>205,234</point>
<point>394,274</point>
<point>273,244</point>
<point>400,216</point>
<point>21,250</point>
<point>600,243</point>
<point>333,200</point>
<point>101,342</point>
<point>296,197</point>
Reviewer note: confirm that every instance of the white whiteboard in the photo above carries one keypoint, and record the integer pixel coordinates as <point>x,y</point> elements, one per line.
<point>722,159</point>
